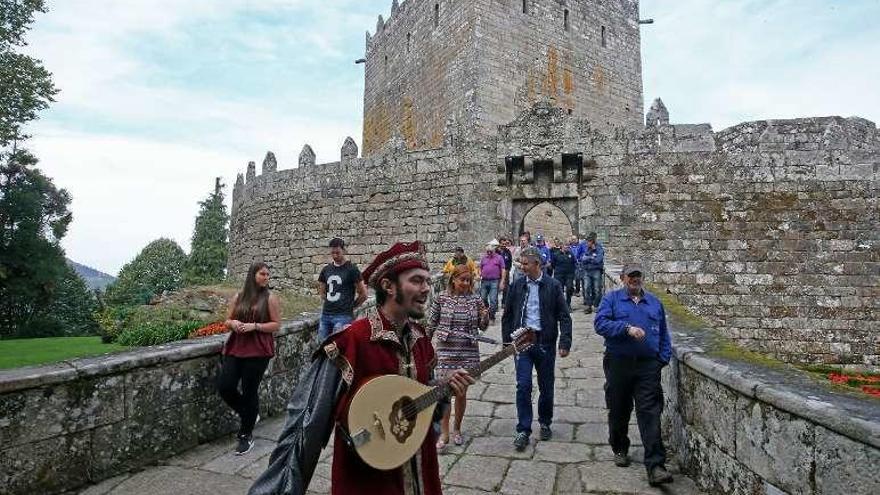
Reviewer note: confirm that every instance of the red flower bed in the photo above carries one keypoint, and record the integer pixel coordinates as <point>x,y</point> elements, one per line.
<point>869,384</point>
<point>212,329</point>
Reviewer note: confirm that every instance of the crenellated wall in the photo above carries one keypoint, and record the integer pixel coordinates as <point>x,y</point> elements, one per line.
<point>768,229</point>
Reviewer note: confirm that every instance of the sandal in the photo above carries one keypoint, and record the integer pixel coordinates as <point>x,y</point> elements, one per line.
<point>441,444</point>
<point>457,438</point>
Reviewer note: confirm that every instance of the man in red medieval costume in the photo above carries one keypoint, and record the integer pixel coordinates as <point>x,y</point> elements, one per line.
<point>385,341</point>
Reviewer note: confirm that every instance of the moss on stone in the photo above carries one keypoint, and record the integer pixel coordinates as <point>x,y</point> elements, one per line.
<point>717,344</point>
<point>677,311</point>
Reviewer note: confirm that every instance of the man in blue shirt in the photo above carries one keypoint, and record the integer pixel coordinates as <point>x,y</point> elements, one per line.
<point>546,257</point>
<point>592,263</point>
<point>637,347</point>
<point>536,301</point>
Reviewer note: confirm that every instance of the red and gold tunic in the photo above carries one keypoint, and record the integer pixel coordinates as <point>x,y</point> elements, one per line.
<point>369,347</point>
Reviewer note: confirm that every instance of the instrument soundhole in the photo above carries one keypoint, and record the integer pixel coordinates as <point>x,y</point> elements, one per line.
<point>402,418</point>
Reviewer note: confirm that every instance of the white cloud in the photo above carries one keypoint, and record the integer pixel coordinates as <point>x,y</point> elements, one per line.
<point>138,144</point>
<point>726,62</point>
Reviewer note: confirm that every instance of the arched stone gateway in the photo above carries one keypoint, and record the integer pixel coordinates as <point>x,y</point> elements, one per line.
<point>552,218</point>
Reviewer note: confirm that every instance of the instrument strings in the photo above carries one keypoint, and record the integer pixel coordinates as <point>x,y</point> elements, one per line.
<point>411,408</point>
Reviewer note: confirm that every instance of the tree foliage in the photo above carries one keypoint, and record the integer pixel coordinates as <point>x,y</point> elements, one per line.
<point>156,269</point>
<point>33,219</point>
<point>39,295</point>
<point>25,85</point>
<point>207,259</point>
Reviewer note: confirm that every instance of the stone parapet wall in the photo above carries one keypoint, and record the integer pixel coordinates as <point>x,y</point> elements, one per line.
<point>68,424</point>
<point>740,428</point>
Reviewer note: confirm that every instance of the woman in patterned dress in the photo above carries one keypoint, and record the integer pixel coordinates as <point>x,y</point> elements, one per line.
<point>454,314</point>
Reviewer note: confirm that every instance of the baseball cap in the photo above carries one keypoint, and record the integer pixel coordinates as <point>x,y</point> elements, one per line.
<point>631,268</point>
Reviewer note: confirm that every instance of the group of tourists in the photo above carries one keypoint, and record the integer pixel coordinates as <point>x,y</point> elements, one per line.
<point>535,280</point>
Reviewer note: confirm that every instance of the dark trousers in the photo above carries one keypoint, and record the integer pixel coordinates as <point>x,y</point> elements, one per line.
<point>541,358</point>
<point>628,380</point>
<point>248,371</point>
<point>567,281</point>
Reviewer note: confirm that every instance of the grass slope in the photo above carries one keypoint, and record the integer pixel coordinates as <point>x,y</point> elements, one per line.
<point>27,352</point>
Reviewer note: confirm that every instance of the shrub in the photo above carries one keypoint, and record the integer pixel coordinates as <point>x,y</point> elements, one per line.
<point>112,320</point>
<point>156,333</point>
<point>156,269</point>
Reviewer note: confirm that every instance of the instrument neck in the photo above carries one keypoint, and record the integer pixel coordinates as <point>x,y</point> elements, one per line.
<point>441,391</point>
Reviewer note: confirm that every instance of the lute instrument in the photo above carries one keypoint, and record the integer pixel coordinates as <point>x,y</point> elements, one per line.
<point>389,415</point>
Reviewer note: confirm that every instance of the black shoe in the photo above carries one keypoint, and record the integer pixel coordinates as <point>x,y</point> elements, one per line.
<point>245,444</point>
<point>521,441</point>
<point>546,433</point>
<point>621,460</point>
<point>658,475</point>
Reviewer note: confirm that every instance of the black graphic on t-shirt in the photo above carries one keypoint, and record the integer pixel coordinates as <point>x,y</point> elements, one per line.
<point>341,282</point>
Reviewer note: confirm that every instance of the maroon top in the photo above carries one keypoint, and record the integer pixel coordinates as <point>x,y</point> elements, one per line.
<point>250,344</point>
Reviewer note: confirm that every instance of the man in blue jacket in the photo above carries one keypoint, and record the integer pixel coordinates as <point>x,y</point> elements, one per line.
<point>536,301</point>
<point>592,263</point>
<point>637,347</point>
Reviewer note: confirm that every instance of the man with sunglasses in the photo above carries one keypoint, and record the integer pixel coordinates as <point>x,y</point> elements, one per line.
<point>637,347</point>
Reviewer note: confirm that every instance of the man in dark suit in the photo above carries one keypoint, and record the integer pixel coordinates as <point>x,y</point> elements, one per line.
<point>536,301</point>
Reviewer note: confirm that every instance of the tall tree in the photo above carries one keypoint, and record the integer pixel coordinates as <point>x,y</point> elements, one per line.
<point>207,259</point>
<point>34,279</point>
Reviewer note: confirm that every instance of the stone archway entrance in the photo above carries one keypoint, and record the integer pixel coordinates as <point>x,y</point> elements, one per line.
<point>551,217</point>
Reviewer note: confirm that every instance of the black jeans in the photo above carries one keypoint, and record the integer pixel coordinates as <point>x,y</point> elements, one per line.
<point>628,380</point>
<point>249,371</point>
<point>567,281</point>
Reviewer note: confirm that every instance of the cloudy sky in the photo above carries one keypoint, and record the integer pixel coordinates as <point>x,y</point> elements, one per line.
<point>160,96</point>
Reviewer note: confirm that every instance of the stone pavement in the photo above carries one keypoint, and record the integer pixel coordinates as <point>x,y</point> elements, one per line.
<point>577,460</point>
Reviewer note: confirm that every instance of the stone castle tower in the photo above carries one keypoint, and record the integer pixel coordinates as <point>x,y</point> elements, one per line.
<point>482,62</point>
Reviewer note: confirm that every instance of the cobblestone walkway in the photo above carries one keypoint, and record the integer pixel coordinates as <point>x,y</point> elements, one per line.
<point>577,460</point>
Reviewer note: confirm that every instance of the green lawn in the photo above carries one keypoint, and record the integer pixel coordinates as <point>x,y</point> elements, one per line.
<point>15,353</point>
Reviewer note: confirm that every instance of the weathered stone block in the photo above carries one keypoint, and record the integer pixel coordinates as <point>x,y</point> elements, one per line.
<point>45,466</point>
<point>716,471</point>
<point>59,409</point>
<point>845,466</point>
<point>777,446</point>
<point>709,408</point>
<point>170,386</point>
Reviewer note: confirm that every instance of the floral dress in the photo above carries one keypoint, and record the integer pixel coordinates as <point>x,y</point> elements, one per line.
<point>451,315</point>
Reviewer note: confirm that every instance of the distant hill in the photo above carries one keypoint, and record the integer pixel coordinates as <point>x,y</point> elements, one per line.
<point>94,279</point>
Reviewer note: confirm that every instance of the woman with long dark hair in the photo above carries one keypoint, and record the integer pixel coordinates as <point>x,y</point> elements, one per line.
<point>254,317</point>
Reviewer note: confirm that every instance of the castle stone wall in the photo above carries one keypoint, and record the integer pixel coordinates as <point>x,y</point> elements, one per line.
<point>768,229</point>
<point>774,234</point>
<point>590,66</point>
<point>481,62</point>
<point>418,75</point>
